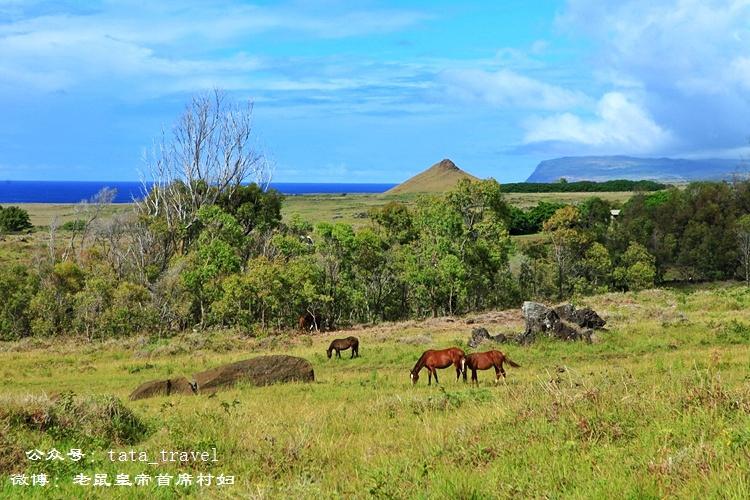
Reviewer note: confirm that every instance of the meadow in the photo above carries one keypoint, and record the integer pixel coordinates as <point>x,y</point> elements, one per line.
<point>658,406</point>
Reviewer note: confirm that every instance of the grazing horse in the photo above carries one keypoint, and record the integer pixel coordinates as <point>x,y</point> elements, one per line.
<point>485,361</point>
<point>434,359</point>
<point>339,345</point>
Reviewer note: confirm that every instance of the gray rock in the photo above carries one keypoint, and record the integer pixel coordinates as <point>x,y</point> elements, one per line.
<point>480,335</point>
<point>563,322</point>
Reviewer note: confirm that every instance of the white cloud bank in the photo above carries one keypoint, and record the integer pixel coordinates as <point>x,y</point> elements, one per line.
<point>506,88</point>
<point>619,124</point>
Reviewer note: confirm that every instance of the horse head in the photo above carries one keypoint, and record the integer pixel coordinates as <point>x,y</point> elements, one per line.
<point>414,376</point>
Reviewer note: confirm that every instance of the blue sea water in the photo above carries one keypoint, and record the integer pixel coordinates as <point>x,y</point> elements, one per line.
<point>75,191</point>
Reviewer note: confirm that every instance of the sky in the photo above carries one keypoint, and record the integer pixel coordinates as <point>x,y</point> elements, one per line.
<point>375,91</point>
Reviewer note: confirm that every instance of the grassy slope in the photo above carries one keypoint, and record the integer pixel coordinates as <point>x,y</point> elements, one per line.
<point>439,178</point>
<point>661,407</point>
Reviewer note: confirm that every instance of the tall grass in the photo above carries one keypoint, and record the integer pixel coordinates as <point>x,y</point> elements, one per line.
<point>659,408</point>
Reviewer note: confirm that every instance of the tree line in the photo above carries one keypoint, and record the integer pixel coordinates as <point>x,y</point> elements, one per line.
<point>563,186</point>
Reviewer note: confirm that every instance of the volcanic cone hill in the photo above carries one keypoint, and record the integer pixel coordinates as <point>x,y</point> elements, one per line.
<point>440,177</point>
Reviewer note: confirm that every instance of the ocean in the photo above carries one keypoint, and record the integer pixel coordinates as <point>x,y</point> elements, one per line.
<point>75,191</point>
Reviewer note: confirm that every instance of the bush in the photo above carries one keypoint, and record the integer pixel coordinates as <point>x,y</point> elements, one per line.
<point>89,420</point>
<point>17,287</point>
<point>74,225</point>
<point>14,219</point>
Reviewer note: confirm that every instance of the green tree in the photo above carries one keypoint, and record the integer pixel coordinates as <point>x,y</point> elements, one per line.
<point>637,268</point>
<point>216,255</point>
<point>14,219</point>
<point>562,230</point>
<point>17,287</point>
<point>396,220</point>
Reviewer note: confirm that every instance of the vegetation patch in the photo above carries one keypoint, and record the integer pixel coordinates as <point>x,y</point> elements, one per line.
<point>86,420</point>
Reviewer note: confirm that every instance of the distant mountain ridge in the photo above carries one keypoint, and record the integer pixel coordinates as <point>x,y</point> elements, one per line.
<point>602,168</point>
<point>440,177</point>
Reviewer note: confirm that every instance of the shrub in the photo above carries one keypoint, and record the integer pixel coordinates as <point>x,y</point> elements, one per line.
<point>74,225</point>
<point>17,287</point>
<point>14,219</point>
<point>92,420</point>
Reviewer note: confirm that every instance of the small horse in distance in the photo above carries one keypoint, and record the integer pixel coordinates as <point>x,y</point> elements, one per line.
<point>339,345</point>
<point>434,359</point>
<point>485,361</point>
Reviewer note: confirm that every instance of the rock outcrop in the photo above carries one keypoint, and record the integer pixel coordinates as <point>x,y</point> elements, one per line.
<point>479,335</point>
<point>563,322</point>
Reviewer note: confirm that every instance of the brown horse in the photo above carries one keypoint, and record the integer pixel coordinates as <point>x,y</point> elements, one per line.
<point>485,361</point>
<point>339,345</point>
<point>433,359</point>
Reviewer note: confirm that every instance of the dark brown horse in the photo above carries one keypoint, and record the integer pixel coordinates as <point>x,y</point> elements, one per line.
<point>339,345</point>
<point>485,361</point>
<point>432,360</point>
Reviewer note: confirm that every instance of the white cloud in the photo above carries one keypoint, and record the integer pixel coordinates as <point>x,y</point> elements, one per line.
<point>506,88</point>
<point>166,47</point>
<point>687,60</point>
<point>620,125</point>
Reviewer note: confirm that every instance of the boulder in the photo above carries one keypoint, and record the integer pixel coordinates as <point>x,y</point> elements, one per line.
<point>588,318</point>
<point>167,387</point>
<point>263,370</point>
<point>479,335</point>
<point>563,322</point>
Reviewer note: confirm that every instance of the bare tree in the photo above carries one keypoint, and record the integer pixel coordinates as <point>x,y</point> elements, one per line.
<point>208,154</point>
<point>87,212</point>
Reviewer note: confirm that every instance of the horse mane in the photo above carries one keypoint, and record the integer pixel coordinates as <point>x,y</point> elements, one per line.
<point>420,363</point>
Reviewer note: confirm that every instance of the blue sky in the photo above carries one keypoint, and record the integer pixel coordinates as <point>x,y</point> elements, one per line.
<point>366,91</point>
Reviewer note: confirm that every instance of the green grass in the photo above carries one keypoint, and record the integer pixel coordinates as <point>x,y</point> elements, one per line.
<point>660,407</point>
<point>352,208</point>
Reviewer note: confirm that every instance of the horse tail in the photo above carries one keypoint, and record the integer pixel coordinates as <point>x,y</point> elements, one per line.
<point>463,364</point>
<point>512,363</point>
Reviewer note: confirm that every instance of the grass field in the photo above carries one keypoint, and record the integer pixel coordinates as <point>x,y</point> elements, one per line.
<point>348,208</point>
<point>352,208</point>
<point>658,407</point>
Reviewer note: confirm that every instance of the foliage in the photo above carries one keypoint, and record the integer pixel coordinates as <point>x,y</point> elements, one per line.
<point>73,225</point>
<point>14,219</point>
<point>17,288</point>
<point>531,221</point>
<point>636,270</point>
<point>564,186</point>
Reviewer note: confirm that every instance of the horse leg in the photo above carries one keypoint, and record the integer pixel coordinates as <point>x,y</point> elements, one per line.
<point>338,353</point>
<point>429,376</point>
<point>436,378</point>
<point>474,379</point>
